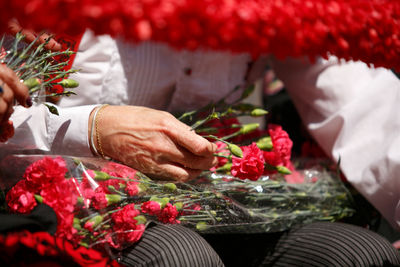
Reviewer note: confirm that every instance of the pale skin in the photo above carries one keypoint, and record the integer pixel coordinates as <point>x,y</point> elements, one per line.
<point>153,142</point>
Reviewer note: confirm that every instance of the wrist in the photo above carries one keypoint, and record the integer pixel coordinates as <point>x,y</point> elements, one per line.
<point>94,133</point>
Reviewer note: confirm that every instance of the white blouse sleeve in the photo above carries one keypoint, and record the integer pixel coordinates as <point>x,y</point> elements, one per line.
<point>353,113</point>
<point>38,129</point>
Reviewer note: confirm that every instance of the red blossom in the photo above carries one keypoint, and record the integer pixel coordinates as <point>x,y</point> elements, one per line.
<point>281,142</point>
<point>44,172</point>
<point>19,199</point>
<point>20,247</point>
<point>120,238</point>
<point>151,207</point>
<point>251,165</point>
<point>125,216</point>
<point>281,151</point>
<point>168,214</point>
<point>115,183</point>
<point>126,229</point>
<point>351,29</point>
<point>99,200</point>
<point>85,189</point>
<point>132,188</point>
<point>222,150</point>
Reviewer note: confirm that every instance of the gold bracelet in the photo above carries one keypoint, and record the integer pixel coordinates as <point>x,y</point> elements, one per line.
<point>96,120</point>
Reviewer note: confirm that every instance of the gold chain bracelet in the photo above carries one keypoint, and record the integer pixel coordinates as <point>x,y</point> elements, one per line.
<point>96,120</point>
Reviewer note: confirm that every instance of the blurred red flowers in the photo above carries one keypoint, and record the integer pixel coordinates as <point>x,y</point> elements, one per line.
<point>350,29</point>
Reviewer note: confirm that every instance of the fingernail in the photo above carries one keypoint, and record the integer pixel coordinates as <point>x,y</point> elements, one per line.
<point>29,102</point>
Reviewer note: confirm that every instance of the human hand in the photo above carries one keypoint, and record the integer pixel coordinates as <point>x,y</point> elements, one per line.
<point>153,142</point>
<point>30,36</point>
<point>11,88</point>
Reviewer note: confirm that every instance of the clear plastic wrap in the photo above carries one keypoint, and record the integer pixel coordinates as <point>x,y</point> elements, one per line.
<point>106,205</point>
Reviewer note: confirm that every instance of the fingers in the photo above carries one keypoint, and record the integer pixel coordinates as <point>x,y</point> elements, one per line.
<point>171,172</point>
<point>189,160</point>
<point>6,102</point>
<point>187,138</point>
<point>30,36</point>
<point>13,87</point>
<point>52,44</point>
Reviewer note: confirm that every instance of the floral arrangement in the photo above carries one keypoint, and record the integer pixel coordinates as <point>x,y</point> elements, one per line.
<point>44,72</point>
<point>255,187</point>
<point>350,29</point>
<point>104,205</point>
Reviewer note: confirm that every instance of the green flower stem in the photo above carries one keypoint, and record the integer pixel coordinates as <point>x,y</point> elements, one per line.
<point>196,200</point>
<point>197,211</point>
<point>101,224</point>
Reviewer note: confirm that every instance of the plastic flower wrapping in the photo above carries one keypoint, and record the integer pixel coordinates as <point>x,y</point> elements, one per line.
<point>102,205</point>
<point>255,188</point>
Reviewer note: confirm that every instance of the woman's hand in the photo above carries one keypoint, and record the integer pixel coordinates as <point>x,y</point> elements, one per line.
<point>11,88</point>
<point>153,142</point>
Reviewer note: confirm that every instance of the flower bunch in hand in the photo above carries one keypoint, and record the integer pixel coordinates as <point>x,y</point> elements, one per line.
<point>44,72</point>
<point>244,150</point>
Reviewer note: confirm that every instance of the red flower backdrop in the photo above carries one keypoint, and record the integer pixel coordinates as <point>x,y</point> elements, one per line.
<point>41,249</point>
<point>351,29</point>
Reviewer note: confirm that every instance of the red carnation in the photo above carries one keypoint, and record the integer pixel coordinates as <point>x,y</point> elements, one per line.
<point>132,188</point>
<point>44,172</point>
<point>19,199</point>
<point>251,165</point>
<point>281,142</point>
<point>223,150</point>
<point>125,229</point>
<point>116,183</point>
<point>168,214</point>
<point>123,237</point>
<point>20,248</point>
<point>99,200</point>
<point>151,207</point>
<point>125,216</point>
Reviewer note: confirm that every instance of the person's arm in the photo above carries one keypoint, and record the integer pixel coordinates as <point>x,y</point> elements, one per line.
<point>353,113</point>
<point>151,141</point>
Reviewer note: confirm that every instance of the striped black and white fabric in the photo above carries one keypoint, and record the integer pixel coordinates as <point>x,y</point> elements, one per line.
<point>171,246</point>
<point>317,244</point>
<point>332,244</point>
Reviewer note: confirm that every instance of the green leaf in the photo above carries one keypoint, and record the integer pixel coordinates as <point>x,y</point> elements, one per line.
<point>52,109</point>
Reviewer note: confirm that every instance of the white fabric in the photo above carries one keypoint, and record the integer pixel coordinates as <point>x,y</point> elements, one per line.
<point>353,113</point>
<point>114,72</point>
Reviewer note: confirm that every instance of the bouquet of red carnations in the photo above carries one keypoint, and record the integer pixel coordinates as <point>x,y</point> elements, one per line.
<point>101,204</point>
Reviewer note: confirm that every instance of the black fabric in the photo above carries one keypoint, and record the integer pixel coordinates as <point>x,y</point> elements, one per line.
<point>170,246</point>
<point>317,244</point>
<point>42,218</point>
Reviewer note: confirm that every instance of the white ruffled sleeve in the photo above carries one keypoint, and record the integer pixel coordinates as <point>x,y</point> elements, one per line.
<point>37,129</point>
<point>353,113</point>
